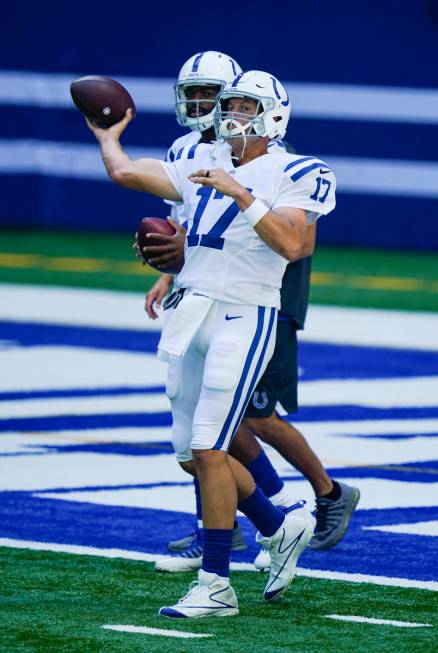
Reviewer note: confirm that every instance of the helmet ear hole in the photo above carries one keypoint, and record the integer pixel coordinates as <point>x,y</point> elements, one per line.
<point>277,118</point>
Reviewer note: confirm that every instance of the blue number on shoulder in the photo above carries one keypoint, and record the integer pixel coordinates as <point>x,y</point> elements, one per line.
<point>212,238</point>
<point>320,183</point>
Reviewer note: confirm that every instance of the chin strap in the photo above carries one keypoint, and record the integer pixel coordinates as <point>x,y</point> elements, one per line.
<point>230,128</point>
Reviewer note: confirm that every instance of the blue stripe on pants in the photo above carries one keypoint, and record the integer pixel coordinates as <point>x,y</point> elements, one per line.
<point>246,368</point>
<point>257,370</point>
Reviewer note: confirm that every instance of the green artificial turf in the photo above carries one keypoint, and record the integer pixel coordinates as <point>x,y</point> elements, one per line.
<point>59,602</point>
<point>342,276</point>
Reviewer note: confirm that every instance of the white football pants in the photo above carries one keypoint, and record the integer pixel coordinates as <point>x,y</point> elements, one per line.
<point>210,386</point>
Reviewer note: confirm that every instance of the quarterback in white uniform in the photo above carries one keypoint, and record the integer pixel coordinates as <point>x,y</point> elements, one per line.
<point>247,215</point>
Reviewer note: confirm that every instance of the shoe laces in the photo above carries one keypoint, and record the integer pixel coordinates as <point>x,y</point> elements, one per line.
<point>327,513</point>
<point>195,587</point>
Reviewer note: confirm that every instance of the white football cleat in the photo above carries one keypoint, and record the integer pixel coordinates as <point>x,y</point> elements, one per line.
<point>209,596</point>
<point>285,547</point>
<point>178,563</point>
<point>262,560</point>
<point>190,560</point>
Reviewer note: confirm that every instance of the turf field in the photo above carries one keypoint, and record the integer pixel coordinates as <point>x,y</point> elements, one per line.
<point>90,493</point>
<point>66,600</point>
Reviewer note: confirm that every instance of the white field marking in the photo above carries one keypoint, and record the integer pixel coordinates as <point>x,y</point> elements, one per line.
<point>45,368</point>
<point>235,566</point>
<point>75,307</point>
<point>13,442</point>
<point>161,632</point>
<point>105,405</point>
<point>372,427</point>
<point>377,622</point>
<point>311,100</point>
<point>376,493</point>
<point>82,161</point>
<point>328,324</point>
<point>371,327</point>
<point>428,528</point>
<point>342,451</point>
<point>78,469</point>
<point>384,393</point>
<point>174,498</point>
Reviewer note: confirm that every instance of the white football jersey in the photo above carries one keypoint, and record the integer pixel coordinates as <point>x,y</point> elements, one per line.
<point>224,257</point>
<point>185,146</point>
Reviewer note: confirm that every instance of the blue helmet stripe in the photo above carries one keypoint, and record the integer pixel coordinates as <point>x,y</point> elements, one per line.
<point>197,61</point>
<point>236,80</point>
<point>233,66</point>
<point>178,156</point>
<point>274,84</point>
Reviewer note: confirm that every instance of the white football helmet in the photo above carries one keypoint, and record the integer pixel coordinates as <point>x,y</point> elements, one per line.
<point>273,109</point>
<point>203,69</point>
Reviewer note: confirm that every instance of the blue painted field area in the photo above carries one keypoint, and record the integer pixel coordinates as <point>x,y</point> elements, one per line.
<point>86,456</point>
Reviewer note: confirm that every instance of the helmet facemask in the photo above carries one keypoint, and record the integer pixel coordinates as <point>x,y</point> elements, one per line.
<point>233,124</point>
<point>201,120</point>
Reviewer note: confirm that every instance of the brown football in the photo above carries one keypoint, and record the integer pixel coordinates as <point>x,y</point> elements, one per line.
<point>101,99</point>
<point>155,226</point>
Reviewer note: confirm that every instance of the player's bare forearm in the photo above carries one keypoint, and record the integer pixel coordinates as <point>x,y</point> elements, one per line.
<point>283,230</point>
<point>145,175</point>
<point>284,235</point>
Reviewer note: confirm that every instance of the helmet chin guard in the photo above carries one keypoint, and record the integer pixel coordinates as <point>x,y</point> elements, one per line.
<point>231,127</point>
<point>208,68</point>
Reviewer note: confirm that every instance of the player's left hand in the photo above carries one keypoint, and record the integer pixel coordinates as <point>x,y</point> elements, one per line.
<point>171,253</point>
<point>218,179</point>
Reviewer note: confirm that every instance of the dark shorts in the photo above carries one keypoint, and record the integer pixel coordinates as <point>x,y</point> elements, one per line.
<point>279,382</point>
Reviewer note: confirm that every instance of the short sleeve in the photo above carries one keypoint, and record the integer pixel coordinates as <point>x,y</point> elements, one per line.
<point>175,173</point>
<point>312,190</point>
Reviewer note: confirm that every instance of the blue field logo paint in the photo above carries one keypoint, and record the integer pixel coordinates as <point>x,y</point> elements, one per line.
<point>107,499</point>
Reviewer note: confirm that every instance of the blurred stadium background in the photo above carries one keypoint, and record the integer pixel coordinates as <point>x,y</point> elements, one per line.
<point>83,418</point>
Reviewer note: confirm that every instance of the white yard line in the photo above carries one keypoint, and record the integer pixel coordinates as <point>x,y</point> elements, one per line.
<point>427,528</point>
<point>377,622</point>
<point>235,566</point>
<point>161,632</point>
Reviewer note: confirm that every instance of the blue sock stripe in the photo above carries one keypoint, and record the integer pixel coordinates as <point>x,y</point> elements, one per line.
<point>246,368</point>
<point>257,369</point>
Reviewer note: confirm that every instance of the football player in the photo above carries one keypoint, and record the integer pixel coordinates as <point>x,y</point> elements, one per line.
<point>248,215</point>
<point>200,79</point>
